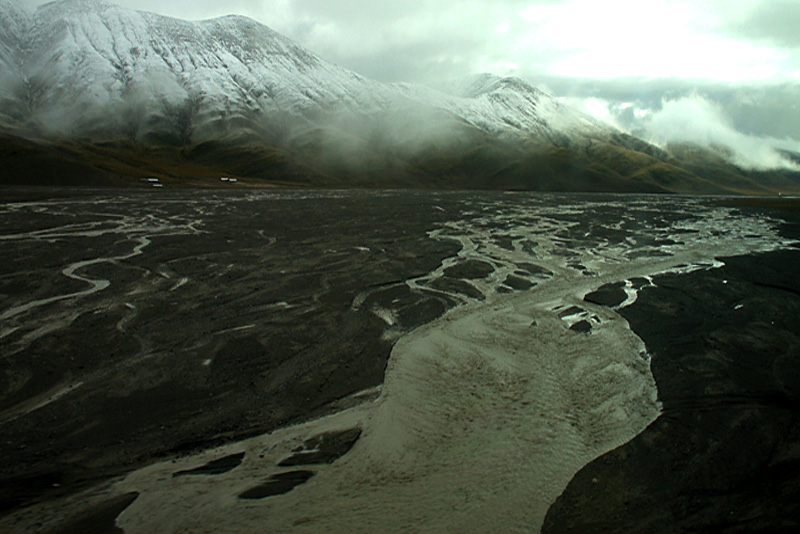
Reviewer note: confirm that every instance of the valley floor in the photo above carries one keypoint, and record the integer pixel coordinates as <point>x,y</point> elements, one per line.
<point>212,361</point>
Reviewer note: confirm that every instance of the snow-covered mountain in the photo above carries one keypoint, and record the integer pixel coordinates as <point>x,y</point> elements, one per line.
<point>80,62</point>
<point>14,22</point>
<point>233,94</point>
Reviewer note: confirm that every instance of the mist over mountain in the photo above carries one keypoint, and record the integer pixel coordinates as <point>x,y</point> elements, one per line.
<point>93,92</point>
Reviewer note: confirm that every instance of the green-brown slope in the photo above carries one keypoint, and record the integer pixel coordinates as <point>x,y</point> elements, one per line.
<point>471,160</point>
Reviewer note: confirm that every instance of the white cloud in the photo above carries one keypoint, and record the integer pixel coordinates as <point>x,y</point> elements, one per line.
<point>690,119</point>
<point>600,109</point>
<point>574,38</point>
<point>695,119</point>
<point>711,46</point>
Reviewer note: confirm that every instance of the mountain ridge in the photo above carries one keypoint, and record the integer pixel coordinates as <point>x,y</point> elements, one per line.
<point>233,96</point>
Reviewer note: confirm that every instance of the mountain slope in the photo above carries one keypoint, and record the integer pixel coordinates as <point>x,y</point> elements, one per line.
<point>14,21</point>
<point>86,57</point>
<point>232,96</point>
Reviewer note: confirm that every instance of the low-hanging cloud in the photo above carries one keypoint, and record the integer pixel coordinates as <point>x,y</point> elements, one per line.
<point>742,55</point>
<point>695,119</point>
<point>599,108</point>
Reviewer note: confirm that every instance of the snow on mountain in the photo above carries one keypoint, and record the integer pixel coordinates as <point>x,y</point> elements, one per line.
<point>520,106</point>
<point>86,58</point>
<point>128,93</point>
<point>14,21</point>
<point>93,70</point>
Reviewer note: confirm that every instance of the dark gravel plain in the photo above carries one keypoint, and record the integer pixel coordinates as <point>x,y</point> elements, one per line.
<point>261,333</point>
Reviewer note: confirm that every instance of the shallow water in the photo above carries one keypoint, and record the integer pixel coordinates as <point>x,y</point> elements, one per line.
<point>487,412</point>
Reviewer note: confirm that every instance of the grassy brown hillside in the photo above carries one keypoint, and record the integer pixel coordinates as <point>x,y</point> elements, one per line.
<point>475,161</point>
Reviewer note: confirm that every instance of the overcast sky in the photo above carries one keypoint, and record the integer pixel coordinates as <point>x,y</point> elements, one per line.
<point>739,60</point>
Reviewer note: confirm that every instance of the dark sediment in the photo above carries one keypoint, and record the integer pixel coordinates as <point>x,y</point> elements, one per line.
<point>572,310</point>
<point>470,269</point>
<point>100,519</point>
<point>454,285</point>
<point>534,270</point>
<point>518,283</point>
<point>639,283</point>
<point>608,295</point>
<point>261,334</point>
<point>583,327</point>
<point>277,485</point>
<point>725,454</point>
<point>323,449</point>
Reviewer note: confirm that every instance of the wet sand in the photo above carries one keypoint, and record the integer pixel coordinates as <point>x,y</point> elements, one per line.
<point>484,415</point>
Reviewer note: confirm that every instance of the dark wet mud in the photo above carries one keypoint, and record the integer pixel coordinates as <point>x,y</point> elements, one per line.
<point>277,485</point>
<point>99,519</point>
